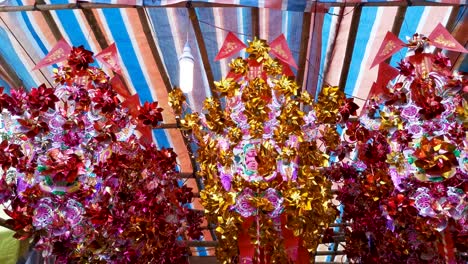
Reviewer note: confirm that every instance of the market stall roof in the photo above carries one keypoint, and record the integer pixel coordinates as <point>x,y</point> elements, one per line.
<point>333,43</point>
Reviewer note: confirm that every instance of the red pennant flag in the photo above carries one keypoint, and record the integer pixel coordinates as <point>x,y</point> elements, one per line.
<point>287,70</point>
<point>233,75</point>
<point>377,90</point>
<point>231,45</point>
<point>146,133</point>
<point>386,73</point>
<point>390,45</point>
<point>279,47</point>
<point>59,53</point>
<point>132,103</point>
<point>119,86</point>
<point>108,57</point>
<point>441,38</point>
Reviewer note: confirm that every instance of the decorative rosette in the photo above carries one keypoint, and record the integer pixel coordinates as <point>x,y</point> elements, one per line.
<point>75,177</point>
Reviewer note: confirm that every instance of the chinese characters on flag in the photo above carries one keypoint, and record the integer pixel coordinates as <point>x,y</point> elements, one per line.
<point>231,45</point>
<point>108,57</point>
<point>441,38</point>
<point>59,53</point>
<point>390,45</point>
<point>279,47</point>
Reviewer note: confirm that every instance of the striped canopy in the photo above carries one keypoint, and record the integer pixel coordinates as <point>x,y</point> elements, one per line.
<point>333,42</point>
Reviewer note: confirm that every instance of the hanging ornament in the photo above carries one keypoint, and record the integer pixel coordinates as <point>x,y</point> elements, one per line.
<point>261,154</point>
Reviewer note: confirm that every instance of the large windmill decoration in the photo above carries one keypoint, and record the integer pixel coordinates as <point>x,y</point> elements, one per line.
<point>75,177</point>
<point>261,149</point>
<point>405,188</point>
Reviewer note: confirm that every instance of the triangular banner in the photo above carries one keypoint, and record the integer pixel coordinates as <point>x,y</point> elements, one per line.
<point>287,70</point>
<point>279,47</point>
<point>58,53</point>
<point>233,75</point>
<point>377,90</point>
<point>133,103</point>
<point>386,73</point>
<point>232,44</point>
<point>119,86</point>
<point>390,45</point>
<point>441,38</point>
<point>109,57</point>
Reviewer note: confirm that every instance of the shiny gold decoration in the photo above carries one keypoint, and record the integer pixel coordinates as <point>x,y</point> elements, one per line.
<point>286,86</point>
<point>329,102</point>
<point>330,137</point>
<point>436,157</point>
<point>176,100</point>
<point>239,66</point>
<point>260,154</point>
<point>189,121</point>
<point>258,49</point>
<point>306,98</point>
<point>390,120</point>
<point>227,86</point>
<point>273,66</point>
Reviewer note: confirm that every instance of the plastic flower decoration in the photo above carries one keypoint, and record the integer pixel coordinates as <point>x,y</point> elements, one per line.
<point>260,155</point>
<point>404,188</point>
<point>75,178</point>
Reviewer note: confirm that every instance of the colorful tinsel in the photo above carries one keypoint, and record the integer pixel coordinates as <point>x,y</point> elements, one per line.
<point>261,152</point>
<point>76,180</point>
<point>404,188</point>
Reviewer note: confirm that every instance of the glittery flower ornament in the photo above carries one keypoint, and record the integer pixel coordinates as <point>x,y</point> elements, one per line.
<point>80,58</point>
<point>76,180</point>
<point>42,98</point>
<point>258,48</point>
<point>150,114</point>
<point>435,157</point>
<point>407,203</point>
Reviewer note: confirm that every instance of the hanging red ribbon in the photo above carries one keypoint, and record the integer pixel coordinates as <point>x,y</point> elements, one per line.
<point>246,248</point>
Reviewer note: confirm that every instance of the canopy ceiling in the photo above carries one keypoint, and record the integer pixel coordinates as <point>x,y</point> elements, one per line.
<point>333,42</point>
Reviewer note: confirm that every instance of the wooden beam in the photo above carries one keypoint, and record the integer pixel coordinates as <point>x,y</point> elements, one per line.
<point>329,56</point>
<point>452,18</point>
<point>84,5</point>
<point>350,46</point>
<point>156,53</point>
<point>255,22</point>
<point>48,18</point>
<point>11,73</point>
<point>154,47</point>
<point>305,36</point>
<point>92,21</point>
<point>396,28</point>
<point>202,47</point>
